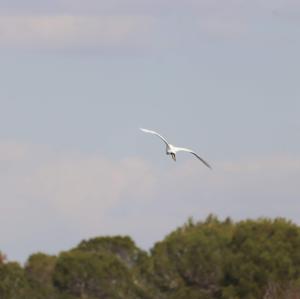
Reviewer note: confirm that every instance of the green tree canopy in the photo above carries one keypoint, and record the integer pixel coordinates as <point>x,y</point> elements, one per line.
<point>210,259</point>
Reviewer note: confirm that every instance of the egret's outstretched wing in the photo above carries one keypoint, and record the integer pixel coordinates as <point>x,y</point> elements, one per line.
<point>154,133</point>
<point>182,149</point>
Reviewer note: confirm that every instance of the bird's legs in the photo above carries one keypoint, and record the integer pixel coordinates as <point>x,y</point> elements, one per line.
<point>173,156</point>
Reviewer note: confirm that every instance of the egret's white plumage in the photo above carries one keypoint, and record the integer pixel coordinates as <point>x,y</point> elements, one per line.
<point>172,150</point>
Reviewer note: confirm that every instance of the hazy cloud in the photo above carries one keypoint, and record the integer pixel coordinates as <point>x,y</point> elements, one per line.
<point>11,151</point>
<point>82,195</point>
<point>59,32</point>
<point>65,24</point>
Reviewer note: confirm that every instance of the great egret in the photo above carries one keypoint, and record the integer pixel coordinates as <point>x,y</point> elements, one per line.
<point>172,150</point>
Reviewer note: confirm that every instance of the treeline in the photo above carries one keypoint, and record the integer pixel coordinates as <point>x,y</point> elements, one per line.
<point>200,260</point>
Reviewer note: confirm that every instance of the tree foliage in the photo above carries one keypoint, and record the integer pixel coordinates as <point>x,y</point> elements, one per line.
<point>211,259</point>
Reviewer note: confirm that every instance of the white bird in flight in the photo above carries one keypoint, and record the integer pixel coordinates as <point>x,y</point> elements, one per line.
<point>172,150</point>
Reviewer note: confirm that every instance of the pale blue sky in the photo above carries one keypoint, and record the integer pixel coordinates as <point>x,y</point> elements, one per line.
<point>78,78</point>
